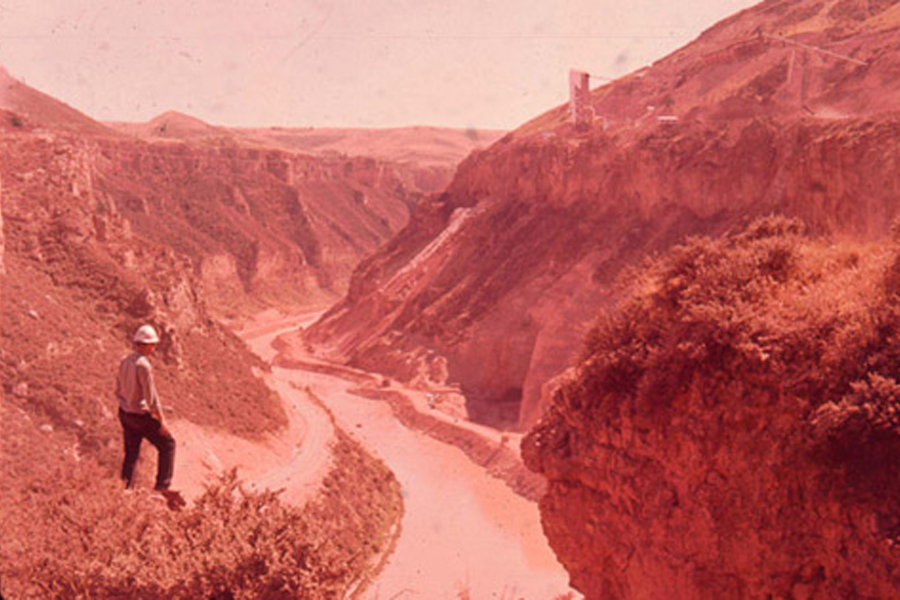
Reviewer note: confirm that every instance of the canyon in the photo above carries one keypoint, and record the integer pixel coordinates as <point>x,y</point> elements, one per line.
<point>496,283</point>
<point>263,224</point>
<point>685,310</point>
<point>103,231</point>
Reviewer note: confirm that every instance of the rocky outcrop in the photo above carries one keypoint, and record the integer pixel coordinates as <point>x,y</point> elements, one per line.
<point>731,431</point>
<point>493,283</point>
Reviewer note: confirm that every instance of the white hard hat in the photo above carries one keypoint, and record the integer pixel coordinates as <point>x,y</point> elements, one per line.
<point>146,335</point>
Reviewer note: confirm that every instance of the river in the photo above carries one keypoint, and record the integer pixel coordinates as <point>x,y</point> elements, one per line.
<point>463,532</point>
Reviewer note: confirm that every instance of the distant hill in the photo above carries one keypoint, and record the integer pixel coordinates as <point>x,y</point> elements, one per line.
<point>171,125</point>
<point>32,108</point>
<point>426,146</point>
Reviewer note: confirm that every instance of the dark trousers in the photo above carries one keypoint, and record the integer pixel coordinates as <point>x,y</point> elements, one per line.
<point>136,428</point>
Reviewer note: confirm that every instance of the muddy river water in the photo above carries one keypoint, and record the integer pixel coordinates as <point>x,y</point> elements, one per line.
<point>462,530</point>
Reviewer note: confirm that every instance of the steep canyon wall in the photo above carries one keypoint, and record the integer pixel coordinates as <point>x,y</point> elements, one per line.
<point>495,282</point>
<point>261,226</point>
<point>783,108</point>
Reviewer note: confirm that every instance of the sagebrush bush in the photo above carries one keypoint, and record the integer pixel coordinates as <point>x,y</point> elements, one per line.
<point>79,535</point>
<point>106,543</point>
<point>766,307</point>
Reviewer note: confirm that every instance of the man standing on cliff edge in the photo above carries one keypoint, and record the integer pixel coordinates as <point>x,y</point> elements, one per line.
<point>141,414</point>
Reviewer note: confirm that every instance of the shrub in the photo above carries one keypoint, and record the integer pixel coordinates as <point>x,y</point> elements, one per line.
<point>766,308</point>
<point>230,544</point>
<point>703,310</point>
<point>79,535</point>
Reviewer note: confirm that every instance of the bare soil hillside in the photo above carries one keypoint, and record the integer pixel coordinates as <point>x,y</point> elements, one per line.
<point>31,107</point>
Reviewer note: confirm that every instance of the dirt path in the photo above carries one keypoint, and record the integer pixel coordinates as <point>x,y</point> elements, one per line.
<point>295,460</point>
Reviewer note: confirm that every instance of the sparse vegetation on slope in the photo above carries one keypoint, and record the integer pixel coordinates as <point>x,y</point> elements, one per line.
<point>732,430</point>
<point>231,543</point>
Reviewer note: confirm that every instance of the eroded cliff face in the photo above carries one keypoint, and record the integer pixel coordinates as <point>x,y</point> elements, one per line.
<point>260,226</point>
<point>502,274</point>
<point>732,431</point>
<point>263,224</point>
<point>494,282</point>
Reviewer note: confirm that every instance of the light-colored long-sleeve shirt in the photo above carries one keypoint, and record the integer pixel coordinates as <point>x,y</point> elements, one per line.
<point>134,385</point>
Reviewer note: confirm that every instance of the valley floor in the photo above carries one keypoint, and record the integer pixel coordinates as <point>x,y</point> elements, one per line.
<point>462,530</point>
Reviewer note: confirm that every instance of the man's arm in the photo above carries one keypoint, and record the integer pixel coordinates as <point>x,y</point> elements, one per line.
<point>148,389</point>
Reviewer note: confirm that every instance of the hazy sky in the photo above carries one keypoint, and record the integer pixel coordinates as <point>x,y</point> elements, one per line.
<point>463,63</point>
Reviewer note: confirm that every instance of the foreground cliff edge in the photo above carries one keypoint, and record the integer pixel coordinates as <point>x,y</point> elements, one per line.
<point>733,430</point>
